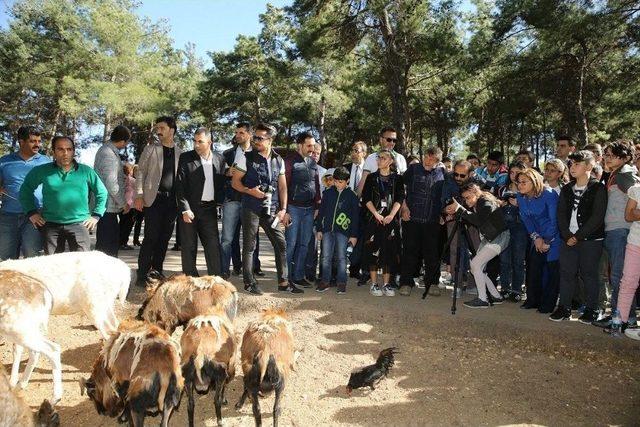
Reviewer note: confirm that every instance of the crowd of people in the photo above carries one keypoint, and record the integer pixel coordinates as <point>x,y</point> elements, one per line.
<point>564,239</point>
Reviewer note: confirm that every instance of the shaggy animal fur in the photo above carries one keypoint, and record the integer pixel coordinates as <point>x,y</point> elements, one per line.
<point>87,282</point>
<point>178,299</point>
<point>136,374</point>
<point>208,358</point>
<point>267,358</point>
<point>25,305</point>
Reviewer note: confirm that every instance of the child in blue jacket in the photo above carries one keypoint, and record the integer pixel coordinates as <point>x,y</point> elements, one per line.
<point>337,225</point>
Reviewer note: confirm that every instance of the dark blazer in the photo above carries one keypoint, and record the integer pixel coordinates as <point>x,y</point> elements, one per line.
<point>591,211</point>
<point>190,180</point>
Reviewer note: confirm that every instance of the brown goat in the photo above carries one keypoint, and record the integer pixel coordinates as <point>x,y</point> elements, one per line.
<point>178,299</point>
<point>136,374</point>
<point>208,358</point>
<point>267,357</point>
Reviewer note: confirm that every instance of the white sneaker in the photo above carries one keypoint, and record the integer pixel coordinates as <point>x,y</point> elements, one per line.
<point>634,334</point>
<point>418,283</point>
<point>375,290</point>
<point>389,291</point>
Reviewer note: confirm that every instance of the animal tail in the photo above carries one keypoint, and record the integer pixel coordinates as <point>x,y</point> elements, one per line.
<point>386,356</point>
<point>173,393</point>
<point>261,359</point>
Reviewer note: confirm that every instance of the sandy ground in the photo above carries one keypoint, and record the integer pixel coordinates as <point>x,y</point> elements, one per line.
<point>499,366</point>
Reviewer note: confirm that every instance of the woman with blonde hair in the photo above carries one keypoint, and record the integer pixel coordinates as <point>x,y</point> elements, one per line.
<point>538,205</point>
<point>484,213</point>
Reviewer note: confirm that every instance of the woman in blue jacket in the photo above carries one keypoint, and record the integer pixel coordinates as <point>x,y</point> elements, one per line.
<point>538,205</point>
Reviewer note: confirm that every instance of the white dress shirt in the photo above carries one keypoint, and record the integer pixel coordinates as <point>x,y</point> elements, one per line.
<point>356,175</point>
<point>207,189</point>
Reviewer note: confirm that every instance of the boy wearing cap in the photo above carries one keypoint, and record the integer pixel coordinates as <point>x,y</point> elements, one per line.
<point>337,225</point>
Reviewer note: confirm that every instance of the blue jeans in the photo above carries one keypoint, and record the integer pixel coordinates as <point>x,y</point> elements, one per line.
<point>615,243</point>
<point>512,259</point>
<point>231,237</point>
<point>297,235</point>
<point>18,236</point>
<point>334,249</point>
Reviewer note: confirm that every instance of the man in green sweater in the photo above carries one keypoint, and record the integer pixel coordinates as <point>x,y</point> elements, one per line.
<point>65,217</point>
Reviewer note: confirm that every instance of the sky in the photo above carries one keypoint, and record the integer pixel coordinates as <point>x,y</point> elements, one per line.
<point>212,25</point>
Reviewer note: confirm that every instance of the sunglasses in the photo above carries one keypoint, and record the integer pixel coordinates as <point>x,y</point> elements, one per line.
<point>394,140</point>
<point>459,175</point>
<point>258,138</point>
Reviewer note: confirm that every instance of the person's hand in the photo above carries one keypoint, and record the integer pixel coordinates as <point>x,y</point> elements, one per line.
<point>353,241</point>
<point>187,217</point>
<point>255,192</point>
<point>37,220</point>
<point>545,248</point>
<point>319,236</point>
<point>513,201</point>
<point>405,213</point>
<point>539,243</point>
<point>453,207</point>
<point>138,204</point>
<point>90,223</point>
<point>387,219</point>
<point>286,219</point>
<point>572,241</point>
<point>378,217</point>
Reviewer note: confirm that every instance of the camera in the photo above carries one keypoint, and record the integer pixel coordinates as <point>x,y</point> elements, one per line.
<point>268,190</point>
<point>452,199</point>
<point>508,195</point>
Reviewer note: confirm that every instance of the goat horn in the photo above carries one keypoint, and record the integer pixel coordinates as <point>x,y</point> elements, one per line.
<point>83,386</point>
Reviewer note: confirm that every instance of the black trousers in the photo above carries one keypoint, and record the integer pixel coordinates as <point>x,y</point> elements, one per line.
<point>542,295</point>
<point>108,234</point>
<point>250,223</point>
<point>139,217</point>
<point>204,226</point>
<point>56,236</point>
<point>421,244</point>
<point>580,261</point>
<point>159,219</point>
<point>126,225</point>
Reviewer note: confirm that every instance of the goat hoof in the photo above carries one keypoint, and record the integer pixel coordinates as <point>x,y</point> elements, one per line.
<point>238,405</point>
<point>220,423</point>
<point>225,402</point>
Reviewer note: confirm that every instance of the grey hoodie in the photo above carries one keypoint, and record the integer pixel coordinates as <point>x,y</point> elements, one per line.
<point>617,187</point>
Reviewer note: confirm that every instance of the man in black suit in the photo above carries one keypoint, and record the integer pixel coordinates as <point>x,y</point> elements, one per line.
<point>199,188</point>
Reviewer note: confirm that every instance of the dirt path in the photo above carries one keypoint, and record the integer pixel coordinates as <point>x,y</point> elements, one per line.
<point>480,367</point>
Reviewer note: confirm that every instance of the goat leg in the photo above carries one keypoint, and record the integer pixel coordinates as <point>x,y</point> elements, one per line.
<point>15,368</point>
<point>166,414</point>
<point>255,405</point>
<point>276,404</point>
<point>218,401</point>
<point>240,403</point>
<point>137,418</point>
<point>191,406</point>
<point>28,370</point>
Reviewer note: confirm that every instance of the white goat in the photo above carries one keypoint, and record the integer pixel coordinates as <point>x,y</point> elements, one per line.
<point>87,282</point>
<point>25,304</point>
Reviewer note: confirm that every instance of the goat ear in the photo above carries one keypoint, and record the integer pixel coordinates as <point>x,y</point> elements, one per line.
<point>86,386</point>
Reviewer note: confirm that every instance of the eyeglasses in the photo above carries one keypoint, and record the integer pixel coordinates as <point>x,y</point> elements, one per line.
<point>459,175</point>
<point>258,138</point>
<point>394,140</point>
